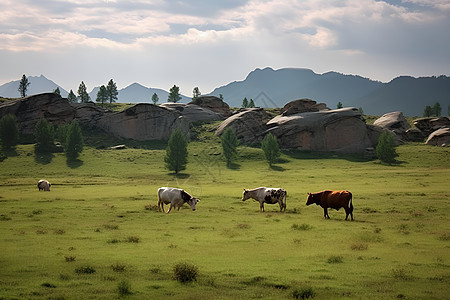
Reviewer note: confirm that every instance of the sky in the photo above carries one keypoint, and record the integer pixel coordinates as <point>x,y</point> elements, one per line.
<point>208,44</point>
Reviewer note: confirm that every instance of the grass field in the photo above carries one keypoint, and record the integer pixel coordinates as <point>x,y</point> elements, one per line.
<point>98,235</point>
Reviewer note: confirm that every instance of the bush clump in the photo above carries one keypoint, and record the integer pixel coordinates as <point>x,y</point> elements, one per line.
<point>185,272</point>
<point>85,270</point>
<point>304,293</point>
<point>124,288</point>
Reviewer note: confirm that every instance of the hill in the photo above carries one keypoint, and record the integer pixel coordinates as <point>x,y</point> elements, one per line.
<point>275,88</point>
<point>38,85</point>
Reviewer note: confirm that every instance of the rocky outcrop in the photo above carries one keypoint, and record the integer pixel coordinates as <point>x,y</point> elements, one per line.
<point>144,122</point>
<point>440,137</point>
<point>213,103</point>
<point>87,114</point>
<point>249,125</point>
<point>301,106</point>
<point>394,121</point>
<point>341,130</point>
<point>31,109</point>
<point>194,113</point>
<point>429,125</point>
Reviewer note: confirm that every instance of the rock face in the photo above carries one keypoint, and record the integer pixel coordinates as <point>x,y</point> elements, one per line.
<point>87,114</point>
<point>213,103</point>
<point>394,121</point>
<point>301,106</point>
<point>249,125</point>
<point>429,125</point>
<point>341,130</point>
<point>30,110</point>
<point>144,122</point>
<point>194,113</point>
<point>440,137</point>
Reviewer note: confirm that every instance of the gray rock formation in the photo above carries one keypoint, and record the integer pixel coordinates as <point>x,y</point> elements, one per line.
<point>31,109</point>
<point>429,125</point>
<point>144,122</point>
<point>341,130</point>
<point>301,106</point>
<point>87,114</point>
<point>394,121</point>
<point>213,103</point>
<point>249,125</point>
<point>194,113</point>
<point>440,137</point>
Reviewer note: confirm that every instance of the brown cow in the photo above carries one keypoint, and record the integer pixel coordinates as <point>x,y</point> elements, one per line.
<point>332,199</point>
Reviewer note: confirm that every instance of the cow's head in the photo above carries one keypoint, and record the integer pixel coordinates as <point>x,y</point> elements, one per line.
<point>245,195</point>
<point>311,199</point>
<point>193,202</point>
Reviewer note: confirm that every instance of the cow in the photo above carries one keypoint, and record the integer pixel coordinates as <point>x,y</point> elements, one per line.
<point>267,195</point>
<point>176,198</point>
<point>332,199</point>
<point>44,185</point>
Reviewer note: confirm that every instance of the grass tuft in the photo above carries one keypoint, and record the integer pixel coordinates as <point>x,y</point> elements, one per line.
<point>124,288</point>
<point>302,227</point>
<point>335,260</point>
<point>85,270</point>
<point>118,267</point>
<point>304,293</point>
<point>185,272</point>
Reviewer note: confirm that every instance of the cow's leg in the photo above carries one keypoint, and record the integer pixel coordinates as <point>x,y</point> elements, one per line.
<point>170,208</point>
<point>261,207</point>
<point>325,213</point>
<point>159,206</point>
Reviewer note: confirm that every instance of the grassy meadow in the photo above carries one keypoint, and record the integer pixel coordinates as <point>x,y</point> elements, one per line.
<point>98,234</point>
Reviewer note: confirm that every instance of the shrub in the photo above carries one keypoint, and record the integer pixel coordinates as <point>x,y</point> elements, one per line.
<point>85,270</point>
<point>9,131</point>
<point>124,288</point>
<point>304,293</point>
<point>271,149</point>
<point>185,272</point>
<point>386,148</point>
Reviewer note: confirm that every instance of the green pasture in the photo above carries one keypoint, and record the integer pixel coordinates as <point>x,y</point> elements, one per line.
<point>101,216</point>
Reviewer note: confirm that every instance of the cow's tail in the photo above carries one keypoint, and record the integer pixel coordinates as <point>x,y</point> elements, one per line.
<point>350,201</point>
<point>285,198</point>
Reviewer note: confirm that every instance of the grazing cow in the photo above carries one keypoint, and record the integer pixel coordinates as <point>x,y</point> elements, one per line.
<point>175,197</point>
<point>267,195</point>
<point>44,185</point>
<point>332,199</point>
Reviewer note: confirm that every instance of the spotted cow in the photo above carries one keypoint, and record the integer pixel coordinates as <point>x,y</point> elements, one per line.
<point>176,198</point>
<point>267,195</point>
<point>44,185</point>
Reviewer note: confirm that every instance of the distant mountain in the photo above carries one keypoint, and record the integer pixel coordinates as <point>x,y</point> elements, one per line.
<point>38,85</point>
<point>275,88</point>
<point>137,93</point>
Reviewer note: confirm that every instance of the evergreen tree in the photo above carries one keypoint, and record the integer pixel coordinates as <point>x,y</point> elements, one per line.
<point>196,93</point>
<point>361,111</point>
<point>437,109</point>
<point>83,94</point>
<point>428,111</point>
<point>271,149</point>
<point>23,86</point>
<point>9,132</point>
<point>176,152</point>
<point>251,104</point>
<point>339,105</point>
<point>155,98</point>
<point>44,135</point>
<point>74,141</point>
<point>71,97</point>
<point>111,91</point>
<point>244,103</point>
<point>229,145</point>
<point>57,91</point>
<point>174,94</point>
<point>221,97</point>
<point>386,148</point>
<point>102,95</point>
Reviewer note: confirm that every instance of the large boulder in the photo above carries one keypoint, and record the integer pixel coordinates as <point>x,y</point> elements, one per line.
<point>213,103</point>
<point>194,113</point>
<point>31,109</point>
<point>249,125</point>
<point>440,137</point>
<point>393,121</point>
<point>429,125</point>
<point>340,130</point>
<point>144,122</point>
<point>87,114</point>
<point>301,106</point>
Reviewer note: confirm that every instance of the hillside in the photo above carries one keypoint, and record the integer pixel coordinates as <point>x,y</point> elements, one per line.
<point>38,85</point>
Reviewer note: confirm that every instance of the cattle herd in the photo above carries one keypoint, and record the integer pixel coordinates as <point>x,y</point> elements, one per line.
<point>178,197</point>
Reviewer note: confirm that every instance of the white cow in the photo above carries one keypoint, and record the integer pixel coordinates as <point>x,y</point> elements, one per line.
<point>44,185</point>
<point>267,195</point>
<point>175,197</point>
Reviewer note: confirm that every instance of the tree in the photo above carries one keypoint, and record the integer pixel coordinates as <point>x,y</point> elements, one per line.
<point>251,103</point>
<point>437,109</point>
<point>23,86</point>
<point>339,105</point>
<point>221,97</point>
<point>111,91</point>
<point>57,91</point>
<point>361,111</point>
<point>174,94</point>
<point>196,93</point>
<point>428,111</point>
<point>74,141</point>
<point>102,95</point>
<point>270,147</point>
<point>229,145</point>
<point>9,131</point>
<point>386,148</point>
<point>155,98</point>
<point>71,97</point>
<point>45,136</point>
<point>176,152</point>
<point>83,94</point>
<point>244,103</point>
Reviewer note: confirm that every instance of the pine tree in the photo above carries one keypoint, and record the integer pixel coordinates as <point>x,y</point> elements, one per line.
<point>71,97</point>
<point>9,131</point>
<point>111,91</point>
<point>244,103</point>
<point>176,152</point>
<point>23,86</point>
<point>155,98</point>
<point>196,93</point>
<point>45,136</point>
<point>339,105</point>
<point>437,109</point>
<point>386,148</point>
<point>174,94</point>
<point>229,145</point>
<point>271,149</point>
<point>83,94</point>
<point>251,103</point>
<point>57,91</point>
<point>102,95</point>
<point>428,111</point>
<point>74,141</point>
